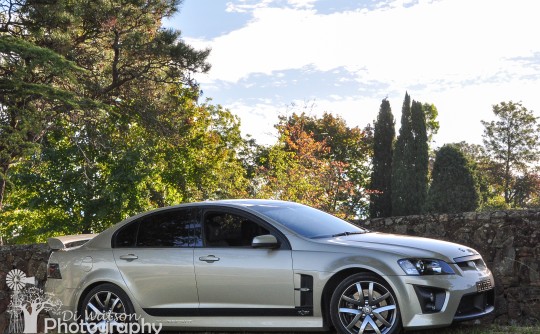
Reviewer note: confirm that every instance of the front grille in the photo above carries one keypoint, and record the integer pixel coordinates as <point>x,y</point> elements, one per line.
<point>475,305</point>
<point>476,265</point>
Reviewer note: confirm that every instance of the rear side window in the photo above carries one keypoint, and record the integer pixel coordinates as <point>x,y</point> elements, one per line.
<point>126,236</point>
<point>168,229</point>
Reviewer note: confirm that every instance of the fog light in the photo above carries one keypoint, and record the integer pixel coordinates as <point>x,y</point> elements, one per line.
<point>431,299</point>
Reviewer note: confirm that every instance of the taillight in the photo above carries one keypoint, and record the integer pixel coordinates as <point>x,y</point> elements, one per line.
<point>54,271</point>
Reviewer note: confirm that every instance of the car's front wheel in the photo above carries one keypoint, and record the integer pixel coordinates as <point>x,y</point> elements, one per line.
<point>364,303</point>
<point>106,309</point>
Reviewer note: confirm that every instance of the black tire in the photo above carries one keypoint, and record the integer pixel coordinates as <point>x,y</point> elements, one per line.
<point>375,310</point>
<point>106,308</point>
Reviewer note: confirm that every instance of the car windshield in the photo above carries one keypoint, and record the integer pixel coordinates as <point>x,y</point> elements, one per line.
<point>307,221</point>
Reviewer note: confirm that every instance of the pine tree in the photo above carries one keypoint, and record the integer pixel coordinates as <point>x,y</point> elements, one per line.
<point>381,177</point>
<point>421,157</point>
<point>454,187</point>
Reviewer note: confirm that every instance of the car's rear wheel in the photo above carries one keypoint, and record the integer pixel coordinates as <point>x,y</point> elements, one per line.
<point>364,304</point>
<point>106,309</point>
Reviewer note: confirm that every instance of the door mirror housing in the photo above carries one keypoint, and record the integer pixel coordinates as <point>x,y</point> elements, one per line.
<point>265,241</point>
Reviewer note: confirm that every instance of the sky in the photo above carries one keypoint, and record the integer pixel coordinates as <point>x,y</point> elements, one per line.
<point>275,57</point>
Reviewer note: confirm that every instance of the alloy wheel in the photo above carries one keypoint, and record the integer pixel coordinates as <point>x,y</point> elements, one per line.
<point>105,312</point>
<point>367,307</point>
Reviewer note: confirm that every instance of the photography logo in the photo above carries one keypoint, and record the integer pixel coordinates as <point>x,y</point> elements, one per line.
<point>28,301</point>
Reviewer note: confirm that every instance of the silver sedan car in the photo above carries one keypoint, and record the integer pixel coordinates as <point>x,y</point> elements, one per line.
<point>262,264</point>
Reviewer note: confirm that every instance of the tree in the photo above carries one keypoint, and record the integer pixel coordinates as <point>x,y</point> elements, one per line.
<point>432,125</point>
<point>317,161</point>
<point>30,100</point>
<point>73,186</point>
<point>31,301</point>
<point>411,160</point>
<point>526,190</point>
<point>106,90</point>
<point>421,156</point>
<point>512,140</point>
<point>489,175</point>
<point>381,177</point>
<point>402,163</point>
<point>454,188</point>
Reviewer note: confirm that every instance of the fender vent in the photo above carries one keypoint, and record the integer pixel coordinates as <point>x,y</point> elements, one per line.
<point>306,295</point>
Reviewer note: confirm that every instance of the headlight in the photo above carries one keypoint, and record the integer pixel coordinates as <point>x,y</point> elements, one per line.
<point>425,267</point>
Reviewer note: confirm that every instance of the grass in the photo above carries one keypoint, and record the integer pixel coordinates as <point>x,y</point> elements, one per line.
<point>481,329</point>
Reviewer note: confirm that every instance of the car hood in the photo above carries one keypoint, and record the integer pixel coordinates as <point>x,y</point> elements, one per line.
<point>405,245</point>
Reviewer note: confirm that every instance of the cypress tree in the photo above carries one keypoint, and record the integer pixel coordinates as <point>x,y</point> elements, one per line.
<point>381,177</point>
<point>403,163</point>
<point>421,157</point>
<point>410,161</point>
<point>454,187</point>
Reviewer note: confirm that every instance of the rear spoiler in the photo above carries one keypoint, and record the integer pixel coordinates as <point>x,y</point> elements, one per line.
<point>69,241</point>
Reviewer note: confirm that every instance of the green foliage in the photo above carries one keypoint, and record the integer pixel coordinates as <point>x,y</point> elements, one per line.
<point>402,163</point>
<point>421,157</point>
<point>454,187</point>
<point>513,141</point>
<point>88,178</point>
<point>432,125</point>
<point>100,118</point>
<point>32,97</point>
<point>319,162</point>
<point>410,161</point>
<point>381,176</point>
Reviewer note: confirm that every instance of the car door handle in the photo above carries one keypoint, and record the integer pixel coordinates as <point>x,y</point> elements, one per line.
<point>209,258</point>
<point>129,257</point>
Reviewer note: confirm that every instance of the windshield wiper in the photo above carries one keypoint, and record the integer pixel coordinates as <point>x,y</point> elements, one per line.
<point>338,235</point>
<point>348,233</point>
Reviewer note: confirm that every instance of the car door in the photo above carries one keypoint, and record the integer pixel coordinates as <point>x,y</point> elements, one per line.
<point>235,279</point>
<point>155,257</point>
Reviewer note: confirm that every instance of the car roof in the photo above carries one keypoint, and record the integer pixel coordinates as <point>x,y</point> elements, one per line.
<point>233,203</point>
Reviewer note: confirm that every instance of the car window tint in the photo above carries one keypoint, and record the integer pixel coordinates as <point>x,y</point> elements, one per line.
<point>230,230</point>
<point>178,228</point>
<point>126,236</point>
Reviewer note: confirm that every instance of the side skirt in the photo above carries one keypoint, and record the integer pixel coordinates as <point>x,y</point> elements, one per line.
<point>230,312</point>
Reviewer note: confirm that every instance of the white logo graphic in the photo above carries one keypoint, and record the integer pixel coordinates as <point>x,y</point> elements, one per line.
<point>28,301</point>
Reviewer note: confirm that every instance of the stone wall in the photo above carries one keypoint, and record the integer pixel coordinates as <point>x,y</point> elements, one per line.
<point>509,242</point>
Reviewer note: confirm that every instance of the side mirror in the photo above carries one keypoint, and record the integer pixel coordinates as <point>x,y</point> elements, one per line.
<point>265,241</point>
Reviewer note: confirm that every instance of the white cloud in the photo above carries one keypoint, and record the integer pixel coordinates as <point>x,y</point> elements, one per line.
<point>458,54</point>
<point>258,120</point>
<point>455,40</point>
<point>460,110</point>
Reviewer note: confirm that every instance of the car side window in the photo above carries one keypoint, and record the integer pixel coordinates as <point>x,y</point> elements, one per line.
<point>222,229</point>
<point>168,229</point>
<point>178,228</point>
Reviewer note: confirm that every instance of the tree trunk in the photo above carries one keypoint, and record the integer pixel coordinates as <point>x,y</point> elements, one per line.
<point>30,321</point>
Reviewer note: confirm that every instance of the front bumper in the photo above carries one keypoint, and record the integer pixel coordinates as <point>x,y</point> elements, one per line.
<point>467,295</point>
